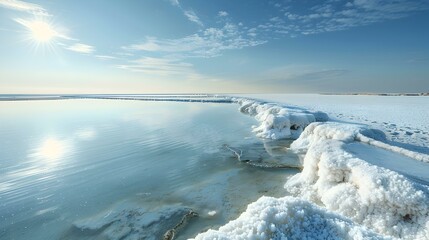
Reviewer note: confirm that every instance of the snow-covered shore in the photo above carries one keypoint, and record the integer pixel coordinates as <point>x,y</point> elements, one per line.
<point>348,189</point>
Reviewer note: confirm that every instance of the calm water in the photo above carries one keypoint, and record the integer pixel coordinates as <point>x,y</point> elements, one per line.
<point>110,169</point>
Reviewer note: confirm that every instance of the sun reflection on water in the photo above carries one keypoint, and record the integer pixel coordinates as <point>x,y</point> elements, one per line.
<point>52,149</point>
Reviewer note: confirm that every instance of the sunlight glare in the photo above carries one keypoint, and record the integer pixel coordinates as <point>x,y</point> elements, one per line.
<point>52,149</point>
<point>41,31</point>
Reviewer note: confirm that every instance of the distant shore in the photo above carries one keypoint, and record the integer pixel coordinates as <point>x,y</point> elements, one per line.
<point>166,97</point>
<point>380,94</point>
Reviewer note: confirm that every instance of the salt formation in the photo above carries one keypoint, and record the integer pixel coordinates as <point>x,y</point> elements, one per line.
<point>378,198</point>
<point>288,218</point>
<point>276,121</point>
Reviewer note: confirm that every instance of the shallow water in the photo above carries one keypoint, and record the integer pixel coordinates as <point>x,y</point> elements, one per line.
<point>109,169</point>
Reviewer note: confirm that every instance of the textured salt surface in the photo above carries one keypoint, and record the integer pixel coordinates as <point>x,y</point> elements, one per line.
<point>289,218</point>
<point>373,196</point>
<point>361,194</point>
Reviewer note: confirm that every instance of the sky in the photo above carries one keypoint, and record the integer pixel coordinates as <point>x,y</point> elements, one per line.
<point>214,46</point>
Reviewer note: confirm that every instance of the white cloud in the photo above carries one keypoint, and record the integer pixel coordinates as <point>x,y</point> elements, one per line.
<point>150,45</point>
<point>334,15</point>
<point>222,14</point>
<point>169,55</point>
<point>189,14</point>
<point>41,24</point>
<point>31,25</point>
<point>105,57</point>
<point>276,19</point>
<point>81,48</point>
<point>349,4</point>
<point>393,6</point>
<point>24,6</point>
<point>208,43</point>
<point>192,16</point>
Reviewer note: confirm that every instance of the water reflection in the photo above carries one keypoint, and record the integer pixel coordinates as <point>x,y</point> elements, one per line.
<point>52,149</point>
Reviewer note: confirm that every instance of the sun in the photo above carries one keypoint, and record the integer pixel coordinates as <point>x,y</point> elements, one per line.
<point>41,31</point>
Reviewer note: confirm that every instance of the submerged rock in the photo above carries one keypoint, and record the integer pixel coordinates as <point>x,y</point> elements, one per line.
<point>129,221</point>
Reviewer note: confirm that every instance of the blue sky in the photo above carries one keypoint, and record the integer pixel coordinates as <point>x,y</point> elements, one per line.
<point>223,46</point>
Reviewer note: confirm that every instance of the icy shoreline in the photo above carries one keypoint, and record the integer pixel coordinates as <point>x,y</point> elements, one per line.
<point>357,197</point>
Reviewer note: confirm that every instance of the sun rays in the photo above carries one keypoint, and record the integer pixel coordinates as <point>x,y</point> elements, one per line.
<point>41,33</point>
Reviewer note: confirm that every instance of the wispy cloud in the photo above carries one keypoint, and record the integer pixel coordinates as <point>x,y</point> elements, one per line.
<point>24,6</point>
<point>192,16</point>
<point>42,25</point>
<point>222,14</point>
<point>392,6</point>
<point>105,57</point>
<point>336,15</point>
<point>45,27</point>
<point>208,43</point>
<point>170,56</point>
<point>81,48</point>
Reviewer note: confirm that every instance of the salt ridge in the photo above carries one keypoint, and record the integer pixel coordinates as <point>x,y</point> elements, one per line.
<point>276,121</point>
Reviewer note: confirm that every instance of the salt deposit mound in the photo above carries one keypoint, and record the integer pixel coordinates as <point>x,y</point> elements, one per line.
<point>276,121</point>
<point>378,198</point>
<point>288,218</point>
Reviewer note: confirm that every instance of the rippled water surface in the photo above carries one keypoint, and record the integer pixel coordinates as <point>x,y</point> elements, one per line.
<point>111,169</point>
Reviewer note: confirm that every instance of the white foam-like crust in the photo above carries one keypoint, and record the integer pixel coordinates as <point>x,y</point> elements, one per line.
<point>288,218</point>
<point>276,121</point>
<point>373,196</point>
